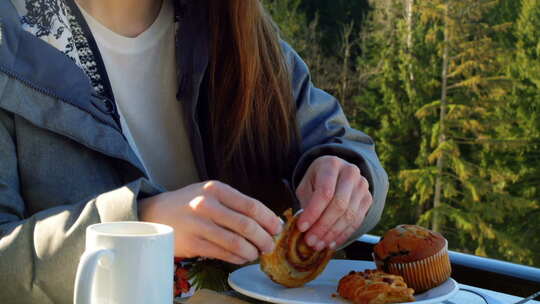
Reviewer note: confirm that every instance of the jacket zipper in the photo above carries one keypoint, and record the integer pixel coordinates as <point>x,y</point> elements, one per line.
<point>30,84</point>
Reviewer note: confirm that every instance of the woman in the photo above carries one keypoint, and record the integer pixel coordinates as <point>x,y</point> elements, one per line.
<point>187,113</point>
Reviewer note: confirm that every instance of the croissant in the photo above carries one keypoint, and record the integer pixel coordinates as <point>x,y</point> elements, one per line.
<point>374,287</point>
<point>293,263</point>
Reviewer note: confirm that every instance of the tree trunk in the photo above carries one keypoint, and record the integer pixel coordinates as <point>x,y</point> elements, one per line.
<point>436,224</point>
<point>409,5</point>
<point>346,49</point>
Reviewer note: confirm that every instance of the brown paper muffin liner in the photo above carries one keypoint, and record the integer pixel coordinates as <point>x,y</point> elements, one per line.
<point>423,274</point>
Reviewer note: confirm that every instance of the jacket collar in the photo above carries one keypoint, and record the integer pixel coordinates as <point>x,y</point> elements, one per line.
<point>42,69</point>
<point>44,66</point>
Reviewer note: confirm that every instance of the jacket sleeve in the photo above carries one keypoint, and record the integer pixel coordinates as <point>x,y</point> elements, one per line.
<point>325,131</point>
<point>39,254</point>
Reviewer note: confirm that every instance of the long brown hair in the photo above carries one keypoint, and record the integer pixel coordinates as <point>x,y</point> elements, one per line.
<point>252,112</point>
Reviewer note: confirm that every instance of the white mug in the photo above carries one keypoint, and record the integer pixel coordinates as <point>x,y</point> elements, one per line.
<point>126,263</point>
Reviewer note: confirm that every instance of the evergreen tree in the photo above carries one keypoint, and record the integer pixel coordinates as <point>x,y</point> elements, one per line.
<point>290,20</point>
<point>470,195</point>
<point>524,105</point>
<point>450,91</point>
<point>401,78</point>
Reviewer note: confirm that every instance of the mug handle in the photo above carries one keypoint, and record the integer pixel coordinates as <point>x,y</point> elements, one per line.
<point>86,272</point>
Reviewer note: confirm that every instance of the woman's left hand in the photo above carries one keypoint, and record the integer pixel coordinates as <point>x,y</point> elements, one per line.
<point>335,198</point>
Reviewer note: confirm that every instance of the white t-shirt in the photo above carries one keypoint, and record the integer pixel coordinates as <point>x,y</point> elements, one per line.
<point>142,72</point>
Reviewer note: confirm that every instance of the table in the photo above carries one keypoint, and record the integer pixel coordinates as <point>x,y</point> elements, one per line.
<point>462,297</point>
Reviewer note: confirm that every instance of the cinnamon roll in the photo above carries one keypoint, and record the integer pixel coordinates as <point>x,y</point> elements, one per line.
<point>293,263</point>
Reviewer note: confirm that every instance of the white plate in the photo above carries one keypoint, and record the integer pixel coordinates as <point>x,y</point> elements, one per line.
<point>252,282</point>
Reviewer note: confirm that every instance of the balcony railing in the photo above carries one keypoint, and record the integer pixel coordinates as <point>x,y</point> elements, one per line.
<point>472,270</point>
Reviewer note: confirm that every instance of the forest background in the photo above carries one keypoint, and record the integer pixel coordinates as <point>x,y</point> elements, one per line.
<point>450,92</point>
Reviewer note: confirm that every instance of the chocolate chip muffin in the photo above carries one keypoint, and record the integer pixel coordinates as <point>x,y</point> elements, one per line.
<point>417,254</point>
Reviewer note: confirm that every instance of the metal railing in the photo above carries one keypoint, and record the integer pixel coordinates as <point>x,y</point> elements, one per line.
<point>515,279</point>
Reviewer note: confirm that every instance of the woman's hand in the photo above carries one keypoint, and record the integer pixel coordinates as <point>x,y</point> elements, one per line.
<point>212,219</point>
<point>335,198</point>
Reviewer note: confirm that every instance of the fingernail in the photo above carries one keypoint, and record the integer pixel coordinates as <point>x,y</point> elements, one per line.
<point>332,245</point>
<point>320,246</point>
<point>280,226</point>
<point>304,227</point>
<point>312,240</point>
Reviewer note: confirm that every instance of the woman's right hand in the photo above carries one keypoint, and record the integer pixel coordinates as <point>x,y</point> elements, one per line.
<point>212,219</point>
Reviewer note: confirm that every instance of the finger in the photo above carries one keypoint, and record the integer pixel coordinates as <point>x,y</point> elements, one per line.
<point>324,186</point>
<point>349,218</point>
<point>304,191</point>
<point>365,203</point>
<point>246,205</point>
<point>210,250</point>
<point>347,180</point>
<point>330,239</point>
<point>237,222</point>
<point>304,194</point>
<point>226,239</point>
<point>367,199</point>
<point>345,235</point>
